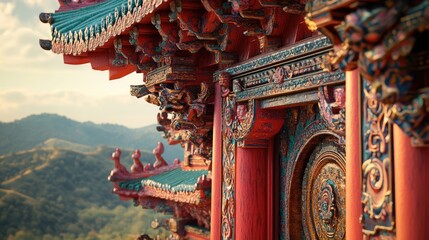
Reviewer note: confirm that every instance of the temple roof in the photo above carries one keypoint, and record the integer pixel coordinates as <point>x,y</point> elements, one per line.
<point>176,180</point>
<point>87,28</point>
<point>160,180</point>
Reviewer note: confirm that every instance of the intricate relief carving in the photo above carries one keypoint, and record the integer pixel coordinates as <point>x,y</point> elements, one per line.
<point>282,73</point>
<point>200,212</point>
<point>291,85</point>
<point>121,60</point>
<point>228,166</point>
<point>332,102</point>
<point>324,194</point>
<point>382,42</point>
<point>377,182</point>
<point>244,120</point>
<point>186,119</point>
<point>327,208</point>
<point>138,91</point>
<point>225,82</point>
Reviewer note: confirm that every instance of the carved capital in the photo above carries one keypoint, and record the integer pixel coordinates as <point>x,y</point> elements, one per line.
<point>224,82</point>
<point>252,126</point>
<point>386,44</point>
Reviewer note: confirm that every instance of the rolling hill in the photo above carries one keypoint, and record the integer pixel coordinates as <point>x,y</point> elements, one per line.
<point>53,180</point>
<point>34,130</point>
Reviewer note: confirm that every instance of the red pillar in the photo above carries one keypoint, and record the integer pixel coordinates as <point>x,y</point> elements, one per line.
<point>411,166</point>
<point>270,191</point>
<point>216,200</point>
<point>353,160</point>
<point>251,194</point>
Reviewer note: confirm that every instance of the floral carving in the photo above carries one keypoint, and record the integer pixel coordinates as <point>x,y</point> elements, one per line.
<point>228,166</point>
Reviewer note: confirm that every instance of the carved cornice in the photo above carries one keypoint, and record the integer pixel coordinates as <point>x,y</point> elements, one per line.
<point>305,82</point>
<point>170,74</point>
<point>306,48</point>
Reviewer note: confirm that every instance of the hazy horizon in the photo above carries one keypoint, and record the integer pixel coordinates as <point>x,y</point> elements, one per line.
<point>73,119</point>
<point>34,81</point>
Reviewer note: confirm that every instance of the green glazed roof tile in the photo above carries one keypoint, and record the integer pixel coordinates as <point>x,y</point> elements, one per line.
<point>175,180</point>
<point>135,185</point>
<point>87,28</point>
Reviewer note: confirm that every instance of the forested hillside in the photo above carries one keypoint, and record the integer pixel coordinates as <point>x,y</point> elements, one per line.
<point>59,189</point>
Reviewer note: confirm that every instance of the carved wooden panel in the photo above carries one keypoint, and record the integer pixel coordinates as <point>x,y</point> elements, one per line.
<point>377,170</point>
<point>228,169</point>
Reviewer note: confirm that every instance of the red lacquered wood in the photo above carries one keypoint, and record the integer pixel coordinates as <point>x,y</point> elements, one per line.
<point>99,60</point>
<point>116,72</point>
<point>215,226</point>
<point>353,162</point>
<point>270,190</point>
<point>411,166</point>
<point>75,60</point>
<point>251,194</point>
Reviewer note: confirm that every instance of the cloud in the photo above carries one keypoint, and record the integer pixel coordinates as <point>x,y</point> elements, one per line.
<point>34,2</point>
<point>119,109</point>
<point>20,31</point>
<point>7,20</point>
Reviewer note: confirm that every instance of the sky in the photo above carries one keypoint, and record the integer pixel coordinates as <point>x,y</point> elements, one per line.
<point>34,81</point>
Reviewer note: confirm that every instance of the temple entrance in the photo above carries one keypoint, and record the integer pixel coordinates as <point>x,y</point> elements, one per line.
<point>323,193</point>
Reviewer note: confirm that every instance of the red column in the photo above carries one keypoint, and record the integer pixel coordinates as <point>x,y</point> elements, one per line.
<point>353,160</point>
<point>251,194</point>
<point>270,191</point>
<point>411,166</point>
<point>215,226</point>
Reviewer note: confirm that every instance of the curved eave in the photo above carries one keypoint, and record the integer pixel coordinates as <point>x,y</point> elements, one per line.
<point>175,185</point>
<point>77,31</point>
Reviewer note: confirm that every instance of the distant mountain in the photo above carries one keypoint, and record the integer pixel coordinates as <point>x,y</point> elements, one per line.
<point>59,190</point>
<point>34,130</point>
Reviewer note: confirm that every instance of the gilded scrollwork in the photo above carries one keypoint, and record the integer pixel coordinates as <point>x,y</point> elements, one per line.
<point>228,166</point>
<point>377,174</point>
<point>324,193</point>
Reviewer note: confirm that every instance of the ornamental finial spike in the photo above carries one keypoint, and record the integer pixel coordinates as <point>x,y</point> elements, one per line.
<point>158,151</point>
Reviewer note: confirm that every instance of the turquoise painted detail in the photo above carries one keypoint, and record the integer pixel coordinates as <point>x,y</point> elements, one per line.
<point>98,16</point>
<point>176,180</point>
<point>135,185</point>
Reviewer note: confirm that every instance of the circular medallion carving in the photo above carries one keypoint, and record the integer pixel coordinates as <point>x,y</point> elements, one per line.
<point>324,193</point>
